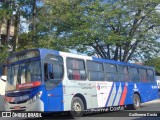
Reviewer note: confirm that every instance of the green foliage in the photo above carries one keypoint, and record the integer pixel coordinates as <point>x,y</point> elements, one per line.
<point>154,62</point>
<point>121,30</point>
<point>116,29</point>
<point>4,54</point>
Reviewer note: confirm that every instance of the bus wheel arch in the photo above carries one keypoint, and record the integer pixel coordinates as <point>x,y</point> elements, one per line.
<point>136,100</point>
<point>78,103</point>
<point>82,98</point>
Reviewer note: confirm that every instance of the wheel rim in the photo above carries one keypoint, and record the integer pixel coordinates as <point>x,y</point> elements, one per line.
<point>136,102</point>
<point>77,106</point>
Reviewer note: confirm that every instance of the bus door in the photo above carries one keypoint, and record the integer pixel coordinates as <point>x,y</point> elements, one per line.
<point>53,73</point>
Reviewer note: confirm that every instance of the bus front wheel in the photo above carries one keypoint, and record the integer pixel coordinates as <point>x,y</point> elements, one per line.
<point>77,107</point>
<point>136,101</point>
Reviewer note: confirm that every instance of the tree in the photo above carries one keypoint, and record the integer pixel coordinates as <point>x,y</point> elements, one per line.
<point>121,30</point>
<point>113,29</point>
<point>155,62</point>
<point>18,12</point>
<point>4,54</point>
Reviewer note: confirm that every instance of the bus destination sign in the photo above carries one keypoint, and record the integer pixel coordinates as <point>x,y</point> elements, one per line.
<point>25,55</point>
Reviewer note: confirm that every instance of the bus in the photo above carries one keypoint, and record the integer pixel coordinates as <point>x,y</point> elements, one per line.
<point>48,80</point>
<point>158,83</point>
<point>3,78</point>
<point>3,84</point>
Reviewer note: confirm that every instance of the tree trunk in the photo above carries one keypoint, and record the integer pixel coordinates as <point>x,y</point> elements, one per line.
<point>16,29</point>
<point>33,21</point>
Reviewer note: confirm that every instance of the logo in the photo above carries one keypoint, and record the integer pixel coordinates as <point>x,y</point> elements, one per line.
<point>6,114</point>
<point>135,88</point>
<point>98,87</point>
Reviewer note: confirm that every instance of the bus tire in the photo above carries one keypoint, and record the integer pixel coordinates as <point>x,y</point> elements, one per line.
<point>77,107</point>
<point>136,101</point>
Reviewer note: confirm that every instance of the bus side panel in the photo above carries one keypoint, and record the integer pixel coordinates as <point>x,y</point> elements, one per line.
<point>148,92</point>
<point>103,91</point>
<point>112,95</point>
<point>128,91</point>
<point>123,99</point>
<point>55,99</point>
<point>153,91</point>
<point>137,88</point>
<point>81,88</point>
<point>145,92</point>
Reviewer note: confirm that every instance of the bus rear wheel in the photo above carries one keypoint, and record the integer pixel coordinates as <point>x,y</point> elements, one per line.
<point>77,107</point>
<point>136,101</point>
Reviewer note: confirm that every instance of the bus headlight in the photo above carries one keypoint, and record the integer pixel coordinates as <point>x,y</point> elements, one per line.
<point>37,96</point>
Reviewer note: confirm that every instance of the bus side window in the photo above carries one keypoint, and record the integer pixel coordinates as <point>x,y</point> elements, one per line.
<point>110,72</point>
<point>53,70</point>
<point>133,73</point>
<point>95,71</point>
<point>76,69</point>
<point>48,70</point>
<point>143,75</point>
<point>150,75</point>
<point>123,73</point>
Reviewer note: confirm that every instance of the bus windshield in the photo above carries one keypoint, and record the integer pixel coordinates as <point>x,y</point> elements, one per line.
<point>26,72</point>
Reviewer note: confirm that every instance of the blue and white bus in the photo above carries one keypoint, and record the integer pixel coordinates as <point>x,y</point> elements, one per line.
<point>49,80</point>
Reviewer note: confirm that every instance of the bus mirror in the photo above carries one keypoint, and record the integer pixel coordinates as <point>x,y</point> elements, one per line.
<point>3,78</point>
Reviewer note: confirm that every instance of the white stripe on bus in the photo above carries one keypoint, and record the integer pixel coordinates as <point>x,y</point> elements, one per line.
<point>113,94</point>
<point>118,95</point>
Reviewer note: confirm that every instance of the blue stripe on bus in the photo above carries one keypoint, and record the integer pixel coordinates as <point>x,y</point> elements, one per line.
<point>117,88</point>
<point>109,95</point>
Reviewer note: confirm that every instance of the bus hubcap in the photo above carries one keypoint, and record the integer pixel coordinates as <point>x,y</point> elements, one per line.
<point>136,102</point>
<point>77,106</point>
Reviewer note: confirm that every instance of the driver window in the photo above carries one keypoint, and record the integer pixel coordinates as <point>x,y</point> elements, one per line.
<point>48,71</point>
<point>53,70</point>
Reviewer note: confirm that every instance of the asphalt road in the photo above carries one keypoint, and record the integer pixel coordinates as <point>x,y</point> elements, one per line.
<point>149,108</point>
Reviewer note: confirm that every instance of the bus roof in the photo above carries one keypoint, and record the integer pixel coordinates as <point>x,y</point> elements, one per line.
<point>45,50</point>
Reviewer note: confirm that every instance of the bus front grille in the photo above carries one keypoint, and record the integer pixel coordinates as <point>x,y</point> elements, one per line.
<point>14,109</point>
<point>18,102</point>
<point>18,110</point>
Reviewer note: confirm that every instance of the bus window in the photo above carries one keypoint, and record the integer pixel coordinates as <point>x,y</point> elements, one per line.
<point>122,69</point>
<point>95,76</point>
<point>111,77</point>
<point>143,75</point>
<point>95,71</point>
<point>48,70</point>
<point>94,66</point>
<point>53,70</point>
<point>133,70</point>
<point>110,72</point>
<point>24,75</point>
<point>110,68</point>
<point>124,77</point>
<point>123,73</point>
<point>76,69</point>
<point>150,75</point>
<point>133,73</point>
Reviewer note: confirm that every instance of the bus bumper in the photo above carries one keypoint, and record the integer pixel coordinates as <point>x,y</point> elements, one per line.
<point>38,105</point>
